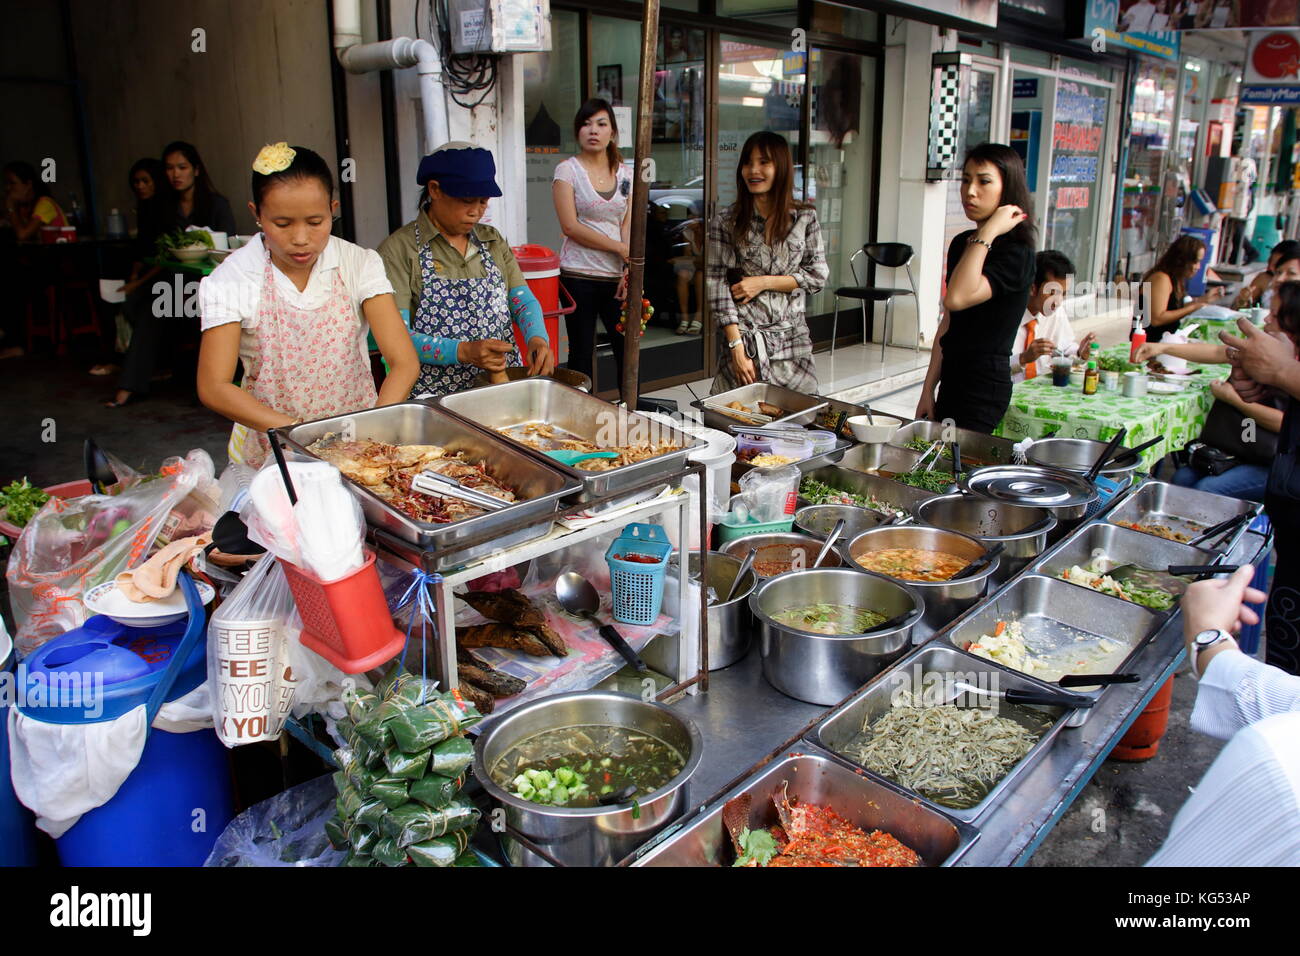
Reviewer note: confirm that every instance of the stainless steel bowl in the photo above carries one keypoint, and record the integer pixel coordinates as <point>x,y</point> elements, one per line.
<point>993,522</point>
<point>1077,455</point>
<point>823,668</point>
<point>591,836</point>
<point>566,376</point>
<point>818,520</point>
<point>944,600</point>
<point>731,625</point>
<point>781,546</point>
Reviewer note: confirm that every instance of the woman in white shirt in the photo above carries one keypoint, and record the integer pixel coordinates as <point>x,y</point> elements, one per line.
<point>592,193</point>
<point>294,306</point>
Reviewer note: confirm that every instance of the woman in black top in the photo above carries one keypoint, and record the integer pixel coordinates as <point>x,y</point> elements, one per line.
<point>990,270</point>
<point>1167,284</point>
<point>195,200</point>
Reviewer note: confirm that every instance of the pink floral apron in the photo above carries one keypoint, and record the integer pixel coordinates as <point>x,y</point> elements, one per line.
<point>307,363</point>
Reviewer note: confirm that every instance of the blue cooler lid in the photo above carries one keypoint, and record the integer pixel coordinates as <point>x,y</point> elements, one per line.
<point>124,665</point>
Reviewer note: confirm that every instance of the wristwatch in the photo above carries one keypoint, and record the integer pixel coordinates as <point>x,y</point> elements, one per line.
<point>736,344</point>
<point>1203,642</point>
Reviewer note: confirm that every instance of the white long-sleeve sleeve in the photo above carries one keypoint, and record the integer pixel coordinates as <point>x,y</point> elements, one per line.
<point>1246,809</point>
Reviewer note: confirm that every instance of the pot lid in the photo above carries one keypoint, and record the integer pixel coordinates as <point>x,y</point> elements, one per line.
<point>1030,485</point>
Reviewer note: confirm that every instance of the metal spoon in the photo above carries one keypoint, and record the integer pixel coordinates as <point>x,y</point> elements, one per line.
<point>577,596</point>
<point>830,542</point>
<point>744,569</point>
<point>618,796</point>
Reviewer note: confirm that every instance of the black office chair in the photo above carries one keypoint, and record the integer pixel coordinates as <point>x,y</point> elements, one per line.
<point>890,255</point>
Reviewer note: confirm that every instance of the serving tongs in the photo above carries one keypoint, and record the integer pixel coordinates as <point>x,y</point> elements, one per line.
<point>1105,456</point>
<point>1090,680</point>
<point>1018,696</point>
<point>1224,530</point>
<point>1122,458</point>
<point>933,449</point>
<point>441,486</point>
<point>784,432</point>
<point>980,563</point>
<point>1126,572</point>
<point>755,417</point>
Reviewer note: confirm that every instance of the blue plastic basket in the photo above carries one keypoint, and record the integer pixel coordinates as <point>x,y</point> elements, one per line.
<point>637,588</point>
<point>1107,489</point>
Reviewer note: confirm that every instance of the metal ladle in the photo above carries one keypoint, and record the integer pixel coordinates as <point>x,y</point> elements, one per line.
<point>830,542</point>
<point>744,569</point>
<point>577,596</point>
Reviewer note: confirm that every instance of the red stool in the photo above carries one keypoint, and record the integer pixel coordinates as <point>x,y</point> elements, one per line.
<point>55,325</point>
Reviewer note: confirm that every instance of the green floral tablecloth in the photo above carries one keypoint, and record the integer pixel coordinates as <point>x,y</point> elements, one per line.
<point>1207,330</point>
<point>1038,408</point>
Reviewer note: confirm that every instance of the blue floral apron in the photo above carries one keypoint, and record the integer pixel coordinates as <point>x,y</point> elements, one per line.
<point>469,309</point>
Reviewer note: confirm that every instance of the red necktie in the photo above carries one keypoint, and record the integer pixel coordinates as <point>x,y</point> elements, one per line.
<point>1032,368</point>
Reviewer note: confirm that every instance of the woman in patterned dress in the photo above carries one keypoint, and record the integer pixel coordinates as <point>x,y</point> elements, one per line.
<point>294,306</point>
<point>765,259</point>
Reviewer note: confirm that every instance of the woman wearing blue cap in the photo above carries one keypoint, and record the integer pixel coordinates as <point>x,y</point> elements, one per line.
<point>460,280</point>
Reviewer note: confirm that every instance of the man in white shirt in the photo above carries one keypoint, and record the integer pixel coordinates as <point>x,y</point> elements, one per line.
<point>1246,809</point>
<point>1045,327</point>
<point>1137,18</point>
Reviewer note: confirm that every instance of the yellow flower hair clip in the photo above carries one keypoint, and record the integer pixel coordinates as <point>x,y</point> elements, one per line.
<point>274,158</point>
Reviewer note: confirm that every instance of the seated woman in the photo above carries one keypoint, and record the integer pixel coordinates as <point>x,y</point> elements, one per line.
<point>28,204</point>
<point>1167,282</point>
<point>1257,291</point>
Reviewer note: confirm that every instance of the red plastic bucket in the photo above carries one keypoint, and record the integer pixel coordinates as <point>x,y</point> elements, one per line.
<point>1142,741</point>
<point>541,268</point>
<point>347,621</point>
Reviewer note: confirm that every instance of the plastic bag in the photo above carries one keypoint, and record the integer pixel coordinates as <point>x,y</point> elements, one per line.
<point>771,494</point>
<point>248,657</point>
<point>286,830</point>
<point>74,544</point>
<point>322,532</point>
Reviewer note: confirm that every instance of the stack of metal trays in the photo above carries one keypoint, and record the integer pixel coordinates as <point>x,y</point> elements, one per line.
<point>928,673</point>
<point>508,411</point>
<point>1183,511</point>
<point>813,777</point>
<point>540,488</point>
<point>976,448</point>
<point>1123,546</point>
<point>796,405</point>
<point>894,494</point>
<point>1058,616</point>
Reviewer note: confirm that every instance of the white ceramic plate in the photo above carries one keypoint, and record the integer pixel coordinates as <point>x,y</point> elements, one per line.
<point>1164,388</point>
<point>193,254</point>
<point>106,599</point>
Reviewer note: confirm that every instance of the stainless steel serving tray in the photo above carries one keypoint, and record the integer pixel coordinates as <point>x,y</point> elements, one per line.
<point>1156,502</point>
<point>787,399</point>
<point>814,777</point>
<point>912,672</point>
<point>975,446</point>
<point>548,402</point>
<point>1121,546</point>
<point>902,497</point>
<point>1054,602</point>
<point>540,487</point>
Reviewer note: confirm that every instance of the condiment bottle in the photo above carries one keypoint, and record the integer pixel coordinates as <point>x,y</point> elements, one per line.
<point>1137,339</point>
<point>1090,379</point>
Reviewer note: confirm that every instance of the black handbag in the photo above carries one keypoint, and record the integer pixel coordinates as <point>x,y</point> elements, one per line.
<point>1208,460</point>
<point>1223,430</point>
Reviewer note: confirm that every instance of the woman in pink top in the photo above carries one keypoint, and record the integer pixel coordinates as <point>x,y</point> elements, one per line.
<point>592,193</point>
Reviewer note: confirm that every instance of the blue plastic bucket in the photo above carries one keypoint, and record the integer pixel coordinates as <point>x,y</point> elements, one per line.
<point>17,825</point>
<point>176,802</point>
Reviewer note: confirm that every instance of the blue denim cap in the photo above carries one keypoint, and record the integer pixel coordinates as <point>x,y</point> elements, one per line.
<point>464,173</point>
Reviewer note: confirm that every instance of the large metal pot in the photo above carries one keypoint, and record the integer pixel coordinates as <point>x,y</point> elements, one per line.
<point>731,626</point>
<point>1022,531</point>
<point>818,520</point>
<point>782,546</point>
<point>590,836</point>
<point>944,600</point>
<point>1077,455</point>
<point>565,375</point>
<point>822,668</point>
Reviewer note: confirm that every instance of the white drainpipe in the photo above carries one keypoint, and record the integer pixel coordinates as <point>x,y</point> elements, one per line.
<point>396,54</point>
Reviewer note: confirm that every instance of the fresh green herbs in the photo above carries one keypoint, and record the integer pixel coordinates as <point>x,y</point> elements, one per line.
<point>21,500</point>
<point>1116,363</point>
<point>937,481</point>
<point>183,239</point>
<point>830,618</point>
<point>819,493</point>
<point>757,846</point>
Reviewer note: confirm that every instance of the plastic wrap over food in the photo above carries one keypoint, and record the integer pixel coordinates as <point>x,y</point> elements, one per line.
<point>287,830</point>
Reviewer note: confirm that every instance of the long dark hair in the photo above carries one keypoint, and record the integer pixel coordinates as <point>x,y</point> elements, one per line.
<point>307,164</point>
<point>1287,308</point>
<point>204,191</point>
<point>1015,188</point>
<point>585,112</point>
<point>1182,252</point>
<point>150,213</point>
<point>27,173</point>
<point>771,146</point>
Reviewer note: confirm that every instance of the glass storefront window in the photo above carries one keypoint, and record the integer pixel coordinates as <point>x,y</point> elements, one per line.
<point>978,109</point>
<point>1078,139</point>
<point>759,87</point>
<point>841,177</point>
<point>852,22</point>
<point>1195,77</point>
<point>1031,57</point>
<point>777,13</point>
<point>1082,68</point>
<point>1152,113</point>
<point>552,94</point>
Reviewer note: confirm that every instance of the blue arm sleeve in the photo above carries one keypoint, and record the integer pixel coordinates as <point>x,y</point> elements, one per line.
<point>527,313</point>
<point>432,349</point>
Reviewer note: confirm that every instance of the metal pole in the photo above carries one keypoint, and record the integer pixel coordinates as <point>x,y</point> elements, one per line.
<point>640,197</point>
